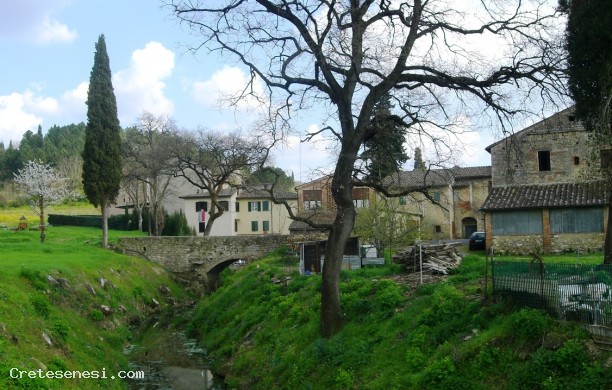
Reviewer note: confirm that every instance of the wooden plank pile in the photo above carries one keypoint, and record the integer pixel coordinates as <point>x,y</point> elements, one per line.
<point>437,259</point>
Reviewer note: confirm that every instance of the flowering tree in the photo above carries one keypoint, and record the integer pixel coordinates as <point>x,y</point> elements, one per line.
<point>43,186</point>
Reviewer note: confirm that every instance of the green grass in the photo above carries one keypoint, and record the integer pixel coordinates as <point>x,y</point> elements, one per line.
<point>71,316</point>
<point>437,336</point>
<point>565,258</point>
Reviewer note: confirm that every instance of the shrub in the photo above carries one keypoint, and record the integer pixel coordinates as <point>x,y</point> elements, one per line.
<point>41,306</point>
<point>176,225</point>
<point>61,330</point>
<point>34,277</point>
<point>529,324</point>
<point>96,315</point>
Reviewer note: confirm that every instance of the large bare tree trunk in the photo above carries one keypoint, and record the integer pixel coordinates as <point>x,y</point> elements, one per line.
<point>342,190</point>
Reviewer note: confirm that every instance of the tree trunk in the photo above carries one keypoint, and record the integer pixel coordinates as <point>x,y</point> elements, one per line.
<point>332,318</point>
<point>104,208</point>
<point>608,240</point>
<point>41,204</point>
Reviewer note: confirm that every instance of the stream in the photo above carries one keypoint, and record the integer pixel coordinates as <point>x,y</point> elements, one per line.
<point>170,361</point>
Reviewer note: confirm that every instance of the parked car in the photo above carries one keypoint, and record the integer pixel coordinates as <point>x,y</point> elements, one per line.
<point>477,241</point>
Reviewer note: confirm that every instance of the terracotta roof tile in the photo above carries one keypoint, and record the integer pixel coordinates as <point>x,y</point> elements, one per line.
<point>582,194</point>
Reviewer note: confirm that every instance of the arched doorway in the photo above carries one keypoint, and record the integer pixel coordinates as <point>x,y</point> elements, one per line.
<point>470,225</point>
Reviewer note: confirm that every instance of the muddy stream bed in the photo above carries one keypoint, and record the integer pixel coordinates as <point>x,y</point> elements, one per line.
<point>169,361</point>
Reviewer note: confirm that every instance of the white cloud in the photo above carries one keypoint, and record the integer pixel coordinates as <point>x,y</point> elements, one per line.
<point>32,20</point>
<point>458,144</point>
<point>225,86</point>
<point>141,87</point>
<point>16,116</point>
<point>307,160</point>
<point>53,31</point>
<point>73,104</point>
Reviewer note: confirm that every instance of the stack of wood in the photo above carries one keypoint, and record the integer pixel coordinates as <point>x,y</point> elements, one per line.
<point>438,258</point>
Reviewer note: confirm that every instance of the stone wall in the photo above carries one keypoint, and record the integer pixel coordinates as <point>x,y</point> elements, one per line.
<point>559,243</point>
<point>581,242</point>
<point>519,244</point>
<point>199,254</point>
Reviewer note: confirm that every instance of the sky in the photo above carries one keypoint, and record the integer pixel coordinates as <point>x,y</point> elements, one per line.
<point>47,51</point>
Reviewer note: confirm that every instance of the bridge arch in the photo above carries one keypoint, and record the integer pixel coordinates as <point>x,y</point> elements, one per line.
<point>200,258</point>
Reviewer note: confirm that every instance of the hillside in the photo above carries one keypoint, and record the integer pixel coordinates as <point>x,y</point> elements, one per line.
<point>68,305</point>
<point>398,335</point>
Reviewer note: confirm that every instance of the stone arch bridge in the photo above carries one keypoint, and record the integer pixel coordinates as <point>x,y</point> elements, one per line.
<point>199,260</point>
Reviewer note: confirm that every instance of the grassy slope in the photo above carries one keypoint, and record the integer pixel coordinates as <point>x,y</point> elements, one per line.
<point>438,336</point>
<point>83,338</point>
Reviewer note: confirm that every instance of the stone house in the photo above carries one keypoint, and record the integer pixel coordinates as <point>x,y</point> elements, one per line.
<point>445,202</point>
<point>248,211</point>
<point>458,192</point>
<point>547,193</point>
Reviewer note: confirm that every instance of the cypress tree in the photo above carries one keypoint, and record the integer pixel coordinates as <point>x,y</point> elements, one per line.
<point>102,151</point>
<point>384,151</point>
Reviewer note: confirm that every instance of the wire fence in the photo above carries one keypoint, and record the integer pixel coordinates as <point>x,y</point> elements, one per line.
<point>581,293</point>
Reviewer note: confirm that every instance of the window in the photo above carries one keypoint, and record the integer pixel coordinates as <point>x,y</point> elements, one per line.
<point>265,205</point>
<point>576,160</point>
<point>201,227</point>
<point>438,229</point>
<point>237,207</point>
<point>254,206</point>
<point>266,226</point>
<point>235,225</point>
<point>361,197</point>
<point>543,160</point>
<point>224,205</point>
<point>254,226</point>
<point>576,220</point>
<point>436,196</point>
<point>359,203</point>
<point>402,200</point>
<point>199,206</point>
<point>517,222</point>
<point>312,204</point>
<point>312,199</point>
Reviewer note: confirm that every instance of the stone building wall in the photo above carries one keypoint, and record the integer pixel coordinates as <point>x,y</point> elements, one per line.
<point>514,160</point>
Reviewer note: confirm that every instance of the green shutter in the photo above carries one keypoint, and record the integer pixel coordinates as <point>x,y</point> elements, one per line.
<point>249,203</point>
<point>266,226</point>
<point>254,226</point>
<point>265,205</point>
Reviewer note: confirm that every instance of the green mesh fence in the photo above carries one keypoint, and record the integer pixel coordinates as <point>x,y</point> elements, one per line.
<point>571,292</point>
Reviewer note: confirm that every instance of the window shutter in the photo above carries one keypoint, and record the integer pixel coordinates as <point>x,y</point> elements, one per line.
<point>265,205</point>
<point>250,208</point>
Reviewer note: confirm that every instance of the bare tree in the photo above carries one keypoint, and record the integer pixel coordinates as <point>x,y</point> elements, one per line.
<point>344,56</point>
<point>43,186</point>
<point>146,158</point>
<point>213,161</point>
